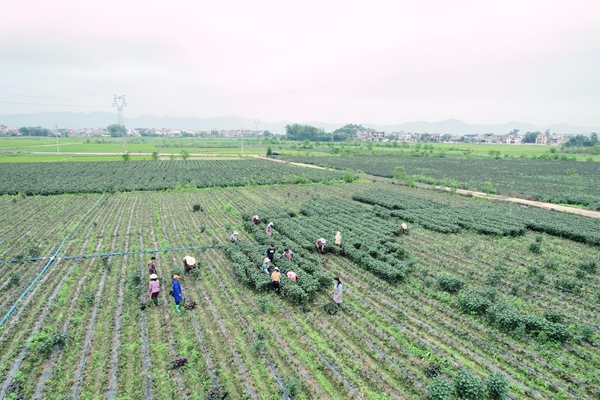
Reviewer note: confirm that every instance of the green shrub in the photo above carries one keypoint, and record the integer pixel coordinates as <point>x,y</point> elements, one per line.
<point>554,316</point>
<point>468,386</point>
<point>587,333</point>
<point>474,301</point>
<point>567,283</point>
<point>493,278</point>
<point>33,251</point>
<point>449,283</point>
<point>535,247</point>
<point>590,267</point>
<point>14,279</point>
<point>496,386</point>
<point>135,280</point>
<point>293,386</point>
<point>197,207</point>
<point>440,389</point>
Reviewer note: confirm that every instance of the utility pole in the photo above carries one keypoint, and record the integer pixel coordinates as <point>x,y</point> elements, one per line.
<point>119,102</point>
<point>242,142</point>
<point>56,134</point>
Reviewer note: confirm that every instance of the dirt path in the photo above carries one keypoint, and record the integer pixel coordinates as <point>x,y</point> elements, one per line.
<point>500,199</point>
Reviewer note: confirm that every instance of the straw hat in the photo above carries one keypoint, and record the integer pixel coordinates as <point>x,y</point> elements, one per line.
<point>403,226</point>
<point>266,260</point>
<point>235,232</point>
<point>190,260</point>
<point>276,269</point>
<point>323,240</point>
<point>176,277</point>
<point>153,276</point>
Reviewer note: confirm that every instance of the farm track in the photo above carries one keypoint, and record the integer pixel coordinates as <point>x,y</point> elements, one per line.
<point>49,368</point>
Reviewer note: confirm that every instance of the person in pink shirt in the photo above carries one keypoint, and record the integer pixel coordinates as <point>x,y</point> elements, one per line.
<point>292,275</point>
<point>154,289</point>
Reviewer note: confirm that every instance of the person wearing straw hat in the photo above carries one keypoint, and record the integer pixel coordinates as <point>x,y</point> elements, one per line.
<point>276,280</point>
<point>269,229</point>
<point>266,265</point>
<point>176,291</point>
<point>255,220</point>
<point>338,239</point>
<point>404,228</point>
<point>234,238</point>
<point>189,263</point>
<point>154,289</point>
<point>320,244</point>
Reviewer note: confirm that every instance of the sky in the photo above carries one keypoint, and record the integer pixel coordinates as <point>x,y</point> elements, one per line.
<point>378,62</point>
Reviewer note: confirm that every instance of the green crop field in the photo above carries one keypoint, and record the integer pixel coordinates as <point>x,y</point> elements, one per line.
<point>477,301</point>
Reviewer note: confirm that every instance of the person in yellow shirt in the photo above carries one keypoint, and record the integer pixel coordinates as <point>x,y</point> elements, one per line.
<point>276,280</point>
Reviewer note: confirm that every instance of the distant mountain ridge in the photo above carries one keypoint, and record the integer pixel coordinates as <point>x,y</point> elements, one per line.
<point>99,119</point>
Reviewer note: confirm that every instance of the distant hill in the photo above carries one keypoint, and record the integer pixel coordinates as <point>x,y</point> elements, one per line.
<point>100,119</point>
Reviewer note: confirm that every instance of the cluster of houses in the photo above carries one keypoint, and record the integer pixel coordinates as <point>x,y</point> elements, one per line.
<point>509,138</point>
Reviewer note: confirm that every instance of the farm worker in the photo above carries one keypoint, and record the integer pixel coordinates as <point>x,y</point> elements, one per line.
<point>404,228</point>
<point>255,220</point>
<point>154,289</point>
<point>189,263</point>
<point>292,275</point>
<point>151,266</point>
<point>338,239</point>
<point>276,279</point>
<point>287,253</point>
<point>269,230</point>
<point>176,290</point>
<point>320,245</point>
<point>234,237</point>
<point>337,290</point>
<point>265,267</point>
<point>271,252</point>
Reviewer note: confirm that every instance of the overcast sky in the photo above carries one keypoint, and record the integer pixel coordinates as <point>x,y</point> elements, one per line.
<point>379,62</point>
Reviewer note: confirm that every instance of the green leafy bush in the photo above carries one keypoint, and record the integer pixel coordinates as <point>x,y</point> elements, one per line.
<point>449,283</point>
<point>496,386</point>
<point>468,386</point>
<point>440,389</point>
<point>474,301</point>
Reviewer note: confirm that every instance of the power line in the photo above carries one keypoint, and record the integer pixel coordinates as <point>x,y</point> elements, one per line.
<point>48,104</point>
<point>45,97</point>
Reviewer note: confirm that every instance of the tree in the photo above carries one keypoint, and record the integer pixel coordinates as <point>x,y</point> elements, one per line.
<point>347,131</point>
<point>305,132</point>
<point>126,157</point>
<point>34,131</point>
<point>514,132</point>
<point>116,130</point>
<point>530,137</point>
<point>267,134</point>
<point>155,155</point>
<point>185,154</point>
<point>269,151</point>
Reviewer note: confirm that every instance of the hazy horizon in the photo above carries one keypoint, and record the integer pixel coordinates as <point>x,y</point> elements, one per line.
<point>379,62</point>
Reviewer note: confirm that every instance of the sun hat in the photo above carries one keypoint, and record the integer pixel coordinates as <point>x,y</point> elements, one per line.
<point>190,260</point>
<point>323,240</point>
<point>403,226</point>
<point>276,269</point>
<point>235,232</point>
<point>153,276</point>
<point>266,260</point>
<point>176,277</point>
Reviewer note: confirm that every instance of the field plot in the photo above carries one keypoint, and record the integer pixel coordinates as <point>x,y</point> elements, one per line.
<point>99,177</point>
<point>568,182</point>
<point>421,311</point>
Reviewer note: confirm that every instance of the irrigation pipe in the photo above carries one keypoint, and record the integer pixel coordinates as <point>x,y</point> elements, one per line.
<point>122,253</point>
<point>37,278</point>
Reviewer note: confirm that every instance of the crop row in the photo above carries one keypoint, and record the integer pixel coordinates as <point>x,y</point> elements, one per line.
<point>98,177</point>
<point>535,179</point>
<point>498,219</point>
